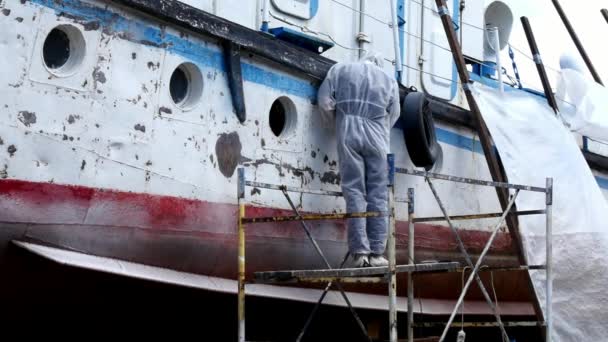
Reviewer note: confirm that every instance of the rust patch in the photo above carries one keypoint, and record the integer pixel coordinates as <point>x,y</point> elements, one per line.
<point>140,128</point>
<point>1,141</point>
<point>11,150</point>
<point>313,154</point>
<point>6,12</point>
<point>84,163</point>
<point>330,178</point>
<point>256,191</point>
<point>263,142</point>
<point>133,56</point>
<point>27,118</point>
<point>149,163</point>
<point>4,172</point>
<point>228,151</point>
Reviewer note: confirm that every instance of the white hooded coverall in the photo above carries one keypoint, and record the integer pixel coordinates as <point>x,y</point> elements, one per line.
<point>364,101</point>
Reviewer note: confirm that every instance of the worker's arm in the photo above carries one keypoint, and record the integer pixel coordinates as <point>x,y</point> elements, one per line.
<point>326,99</point>
<point>394,108</point>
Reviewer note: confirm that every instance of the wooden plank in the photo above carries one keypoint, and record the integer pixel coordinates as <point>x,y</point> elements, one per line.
<point>260,43</point>
<point>279,276</point>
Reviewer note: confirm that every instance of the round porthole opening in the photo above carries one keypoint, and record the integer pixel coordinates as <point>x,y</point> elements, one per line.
<point>282,117</point>
<point>186,86</point>
<point>63,50</point>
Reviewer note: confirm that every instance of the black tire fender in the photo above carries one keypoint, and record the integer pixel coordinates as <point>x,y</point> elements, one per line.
<point>419,130</point>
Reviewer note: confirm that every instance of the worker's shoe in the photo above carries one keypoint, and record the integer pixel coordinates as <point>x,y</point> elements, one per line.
<point>361,260</point>
<point>376,260</point>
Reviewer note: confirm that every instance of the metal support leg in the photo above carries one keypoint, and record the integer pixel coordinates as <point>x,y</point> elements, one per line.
<point>410,276</point>
<point>241,256</point>
<point>392,279</point>
<point>327,264</point>
<point>469,261</point>
<point>477,266</point>
<point>549,248</point>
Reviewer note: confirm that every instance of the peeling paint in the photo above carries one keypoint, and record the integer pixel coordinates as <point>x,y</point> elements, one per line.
<point>91,25</point>
<point>27,118</point>
<point>166,110</point>
<point>72,119</point>
<point>98,75</point>
<point>11,150</point>
<point>228,151</point>
<point>330,178</point>
<point>153,66</point>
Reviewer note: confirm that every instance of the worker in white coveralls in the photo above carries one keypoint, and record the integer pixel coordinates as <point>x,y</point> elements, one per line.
<point>364,102</point>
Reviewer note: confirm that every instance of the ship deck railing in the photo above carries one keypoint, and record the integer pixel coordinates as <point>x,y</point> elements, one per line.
<point>337,276</point>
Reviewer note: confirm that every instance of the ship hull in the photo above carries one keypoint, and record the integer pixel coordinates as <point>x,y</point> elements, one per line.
<point>103,161</point>
<point>200,237</point>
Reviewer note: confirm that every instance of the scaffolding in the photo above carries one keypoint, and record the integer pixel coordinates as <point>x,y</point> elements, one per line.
<point>337,276</point>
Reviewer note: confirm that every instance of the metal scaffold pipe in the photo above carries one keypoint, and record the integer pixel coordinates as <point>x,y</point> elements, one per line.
<point>542,73</point>
<point>577,42</point>
<point>395,25</point>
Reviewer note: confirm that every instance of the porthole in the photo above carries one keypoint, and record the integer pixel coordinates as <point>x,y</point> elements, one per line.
<point>63,50</point>
<point>282,118</point>
<point>186,86</point>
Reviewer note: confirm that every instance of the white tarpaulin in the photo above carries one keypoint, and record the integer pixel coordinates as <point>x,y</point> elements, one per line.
<point>534,144</point>
<point>590,101</point>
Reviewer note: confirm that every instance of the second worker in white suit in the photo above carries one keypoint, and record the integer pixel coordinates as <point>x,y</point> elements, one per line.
<point>364,102</point>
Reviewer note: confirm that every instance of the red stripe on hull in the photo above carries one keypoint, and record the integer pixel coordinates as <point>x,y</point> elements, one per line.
<point>198,236</point>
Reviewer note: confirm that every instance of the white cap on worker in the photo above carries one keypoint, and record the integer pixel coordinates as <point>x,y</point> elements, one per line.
<point>373,58</point>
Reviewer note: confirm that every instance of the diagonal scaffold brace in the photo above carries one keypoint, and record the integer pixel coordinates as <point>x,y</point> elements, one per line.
<point>474,274</point>
<point>469,262</point>
<point>328,265</point>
